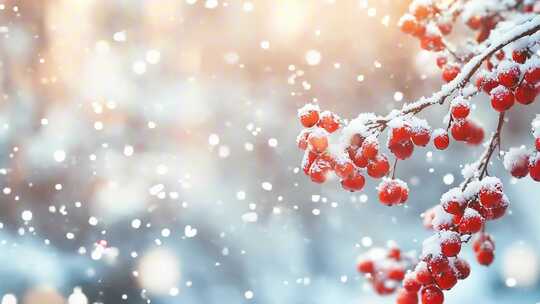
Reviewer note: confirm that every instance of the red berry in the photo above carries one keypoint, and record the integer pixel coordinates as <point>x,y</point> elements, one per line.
<point>471,222</point>
<point>533,75</point>
<point>396,273</point>
<point>370,148</point>
<point>329,121</point>
<point>485,257</point>
<point>475,22</point>
<point>462,268</point>
<point>359,160</point>
<point>453,205</point>
<point>319,170</point>
<point>500,55</point>
<point>309,118</point>
<point>431,43</point>
<point>534,167</point>
<point>354,182</point>
<point>409,26</point>
<point>483,239</point>
<point>420,136</point>
<point>446,279</point>
<point>423,275</point>
<point>445,28</point>
<point>537,144</point>
<point>490,196</point>
<point>441,139</point>
<point>502,99</point>
<point>460,110</point>
<point>400,134</point>
<point>343,168</point>
<point>406,297</point>
<point>520,56</point>
<point>437,263</point>
<point>488,83</point>
<point>432,295</point>
<point>450,243</point>
<point>421,12</point>
<point>525,93</point>
<point>460,129</point>
<point>365,266</point>
<point>394,253</point>
<point>318,141</point>
<point>410,283</point>
<point>441,61</point>
<point>378,167</point>
<point>509,77</point>
<point>450,72</point>
<point>402,150</point>
<point>390,192</point>
<point>476,135</point>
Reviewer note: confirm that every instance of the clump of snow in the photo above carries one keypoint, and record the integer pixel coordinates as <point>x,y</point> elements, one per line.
<point>357,126</point>
<point>452,195</point>
<point>308,107</point>
<point>516,157</point>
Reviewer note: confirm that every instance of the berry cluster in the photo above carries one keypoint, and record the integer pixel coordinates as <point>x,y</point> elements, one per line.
<point>459,215</point>
<point>521,161</point>
<point>513,80</point>
<point>385,267</point>
<point>318,161</point>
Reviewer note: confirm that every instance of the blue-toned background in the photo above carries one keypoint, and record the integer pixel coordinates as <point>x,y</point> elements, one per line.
<point>148,154</point>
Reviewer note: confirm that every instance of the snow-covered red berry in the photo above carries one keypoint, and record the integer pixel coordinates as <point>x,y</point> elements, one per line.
<point>432,295</point>
<point>309,115</point>
<point>441,139</point>
<point>502,98</point>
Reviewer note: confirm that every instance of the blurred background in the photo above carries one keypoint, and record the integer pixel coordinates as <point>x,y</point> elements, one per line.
<point>149,156</point>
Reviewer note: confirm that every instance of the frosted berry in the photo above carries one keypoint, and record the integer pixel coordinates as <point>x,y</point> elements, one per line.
<point>402,150</point>
<point>460,110</point>
<point>406,297</point>
<point>485,256</point>
<point>525,93</point>
<point>390,191</point>
<point>355,182</point>
<point>410,283</point>
<point>520,56</point>
<point>471,222</point>
<point>502,99</point>
<point>307,161</point>
<point>441,140</point>
<point>319,170</point>
<point>534,167</point>
<point>450,72</point>
<point>318,141</point>
<point>378,167</point>
<point>490,196</point>
<point>510,76</point>
<point>423,275</point>
<point>460,129</point>
<point>421,136</point>
<point>450,243</point>
<point>432,295</point>
<point>343,168</point>
<point>329,121</point>
<point>309,118</point>
<point>370,148</point>
<point>533,75</point>
<point>446,279</point>
<point>463,269</point>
